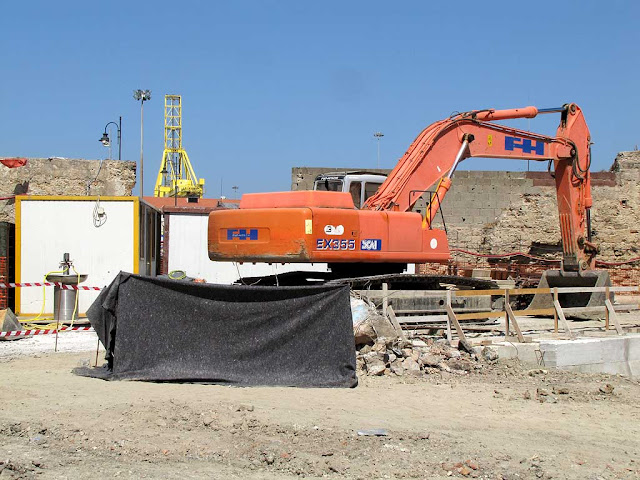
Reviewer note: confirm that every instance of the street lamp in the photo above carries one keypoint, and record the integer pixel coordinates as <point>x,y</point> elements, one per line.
<point>107,142</point>
<point>235,191</point>
<point>378,135</point>
<point>142,95</point>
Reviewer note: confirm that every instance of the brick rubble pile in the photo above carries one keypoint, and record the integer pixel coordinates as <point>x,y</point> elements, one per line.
<point>418,357</point>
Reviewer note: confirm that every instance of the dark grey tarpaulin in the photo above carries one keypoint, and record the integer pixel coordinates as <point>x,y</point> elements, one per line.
<point>165,330</point>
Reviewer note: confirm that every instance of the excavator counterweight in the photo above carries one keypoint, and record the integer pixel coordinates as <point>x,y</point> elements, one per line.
<point>307,227</point>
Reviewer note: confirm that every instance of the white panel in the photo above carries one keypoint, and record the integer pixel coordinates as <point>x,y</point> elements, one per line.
<point>188,251</point>
<point>49,228</point>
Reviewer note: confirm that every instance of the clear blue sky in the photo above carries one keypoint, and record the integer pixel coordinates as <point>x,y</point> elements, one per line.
<point>268,85</point>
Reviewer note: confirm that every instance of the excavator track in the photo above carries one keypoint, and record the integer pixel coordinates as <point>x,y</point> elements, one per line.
<point>401,281</point>
<point>397,281</point>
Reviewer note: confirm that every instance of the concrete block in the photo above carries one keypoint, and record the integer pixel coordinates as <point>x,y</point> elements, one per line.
<point>612,355</point>
<point>525,352</point>
<point>633,348</point>
<point>615,349</point>
<point>571,352</point>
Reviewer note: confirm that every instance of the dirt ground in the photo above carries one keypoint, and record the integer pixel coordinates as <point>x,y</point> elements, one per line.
<point>502,421</point>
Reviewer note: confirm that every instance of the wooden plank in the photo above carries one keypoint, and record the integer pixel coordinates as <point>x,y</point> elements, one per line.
<point>607,296</point>
<point>431,318</point>
<point>602,309</point>
<point>456,324</point>
<point>614,316</point>
<point>516,327</point>
<point>385,298</point>
<point>521,313</point>
<point>394,322</point>
<point>529,291</point>
<point>377,294</point>
<point>479,315</point>
<point>506,314</point>
<point>499,313</point>
<point>449,336</point>
<point>436,311</point>
<point>555,311</point>
<point>565,324</point>
<point>517,291</point>
<point>518,313</point>
<point>440,326</point>
<point>533,312</point>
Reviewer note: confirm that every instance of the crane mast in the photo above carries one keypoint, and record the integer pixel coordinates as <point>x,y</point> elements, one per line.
<point>176,177</point>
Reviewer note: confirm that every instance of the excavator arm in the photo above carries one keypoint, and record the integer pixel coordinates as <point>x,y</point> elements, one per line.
<point>433,157</point>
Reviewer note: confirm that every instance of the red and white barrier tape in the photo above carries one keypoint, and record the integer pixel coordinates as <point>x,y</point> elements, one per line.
<point>48,284</point>
<point>26,333</point>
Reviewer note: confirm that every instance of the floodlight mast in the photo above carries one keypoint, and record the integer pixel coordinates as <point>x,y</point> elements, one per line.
<point>142,96</point>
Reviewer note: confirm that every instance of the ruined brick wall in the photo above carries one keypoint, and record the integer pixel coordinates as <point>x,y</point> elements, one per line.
<point>531,220</point>
<point>64,176</point>
<point>499,212</point>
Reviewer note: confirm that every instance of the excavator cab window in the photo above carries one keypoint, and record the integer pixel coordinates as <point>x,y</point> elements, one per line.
<point>328,185</point>
<point>369,189</point>
<point>355,189</point>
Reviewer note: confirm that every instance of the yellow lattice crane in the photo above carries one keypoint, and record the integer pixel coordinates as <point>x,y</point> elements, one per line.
<point>176,176</point>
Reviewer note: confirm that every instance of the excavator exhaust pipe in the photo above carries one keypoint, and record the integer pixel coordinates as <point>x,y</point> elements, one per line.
<point>558,279</point>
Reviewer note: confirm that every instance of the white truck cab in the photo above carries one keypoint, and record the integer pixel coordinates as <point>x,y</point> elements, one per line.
<point>361,185</point>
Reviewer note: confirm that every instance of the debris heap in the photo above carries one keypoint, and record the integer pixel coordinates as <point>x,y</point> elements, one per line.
<point>418,357</point>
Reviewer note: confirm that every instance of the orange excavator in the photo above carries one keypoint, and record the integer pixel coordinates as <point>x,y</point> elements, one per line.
<point>385,235</point>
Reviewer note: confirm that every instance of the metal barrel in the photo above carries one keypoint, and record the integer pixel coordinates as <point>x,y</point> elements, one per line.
<point>64,303</point>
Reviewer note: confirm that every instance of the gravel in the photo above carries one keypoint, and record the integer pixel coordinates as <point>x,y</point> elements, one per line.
<point>42,344</point>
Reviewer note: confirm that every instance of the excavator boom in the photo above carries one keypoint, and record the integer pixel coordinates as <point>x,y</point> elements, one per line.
<point>325,226</point>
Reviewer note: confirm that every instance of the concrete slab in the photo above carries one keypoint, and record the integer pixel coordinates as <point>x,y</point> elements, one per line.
<point>612,355</point>
<point>528,353</point>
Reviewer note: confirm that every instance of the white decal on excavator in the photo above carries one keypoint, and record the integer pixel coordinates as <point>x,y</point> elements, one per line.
<point>331,230</point>
<point>433,243</point>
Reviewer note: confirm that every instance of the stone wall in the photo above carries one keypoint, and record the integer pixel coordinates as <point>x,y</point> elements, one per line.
<point>64,176</point>
<point>302,177</point>
<point>499,212</point>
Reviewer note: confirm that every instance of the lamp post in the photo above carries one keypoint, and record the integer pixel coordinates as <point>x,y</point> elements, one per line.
<point>142,95</point>
<point>378,135</point>
<point>235,191</point>
<point>107,142</point>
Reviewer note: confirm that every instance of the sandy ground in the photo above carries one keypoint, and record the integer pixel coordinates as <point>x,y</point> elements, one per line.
<point>489,424</point>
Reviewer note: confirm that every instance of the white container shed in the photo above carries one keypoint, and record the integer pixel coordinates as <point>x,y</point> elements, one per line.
<point>126,237</point>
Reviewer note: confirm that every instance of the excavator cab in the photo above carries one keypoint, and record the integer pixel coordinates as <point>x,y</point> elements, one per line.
<point>361,185</point>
